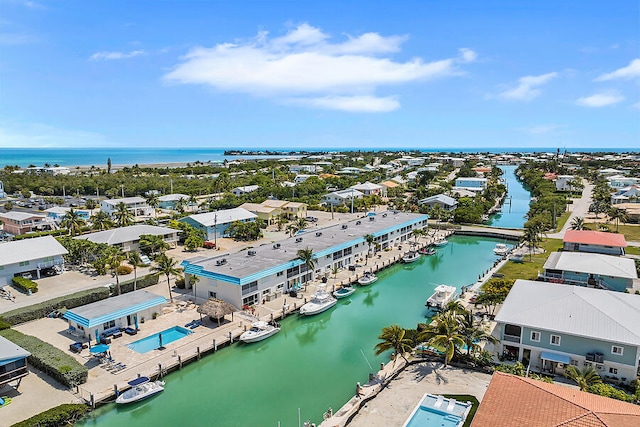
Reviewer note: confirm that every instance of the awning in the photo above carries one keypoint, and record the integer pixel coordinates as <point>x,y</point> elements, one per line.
<point>555,357</point>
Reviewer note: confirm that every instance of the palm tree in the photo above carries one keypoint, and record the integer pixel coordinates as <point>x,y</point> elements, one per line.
<point>393,338</point>
<point>370,242</point>
<point>134,259</point>
<point>167,266</point>
<point>445,333</point>
<point>474,332</point>
<point>292,229</point>
<point>585,378</point>
<point>122,215</point>
<point>72,222</point>
<point>152,200</point>
<point>101,221</point>
<point>308,258</point>
<point>114,258</point>
<point>301,223</point>
<point>577,223</point>
<point>532,239</point>
<point>281,221</point>
<point>617,215</point>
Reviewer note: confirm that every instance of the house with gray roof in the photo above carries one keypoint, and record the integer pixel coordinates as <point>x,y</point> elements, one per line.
<point>136,205</point>
<point>548,326</point>
<point>238,191</point>
<point>128,238</point>
<point>13,362</point>
<point>32,256</point>
<point>445,202</point>
<point>215,224</point>
<point>342,197</point>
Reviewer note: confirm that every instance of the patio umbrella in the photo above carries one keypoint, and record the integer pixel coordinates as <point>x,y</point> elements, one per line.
<point>98,349</point>
<point>216,308</point>
<point>160,338</point>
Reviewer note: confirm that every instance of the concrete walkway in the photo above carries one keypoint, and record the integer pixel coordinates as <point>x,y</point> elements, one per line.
<point>579,208</point>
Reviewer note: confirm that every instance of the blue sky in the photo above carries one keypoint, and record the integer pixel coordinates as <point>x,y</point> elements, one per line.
<point>316,74</point>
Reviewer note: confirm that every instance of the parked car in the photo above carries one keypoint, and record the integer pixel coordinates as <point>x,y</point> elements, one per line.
<point>27,275</point>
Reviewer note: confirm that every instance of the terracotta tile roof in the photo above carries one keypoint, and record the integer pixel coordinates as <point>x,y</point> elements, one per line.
<point>590,237</point>
<point>523,402</point>
<point>550,176</point>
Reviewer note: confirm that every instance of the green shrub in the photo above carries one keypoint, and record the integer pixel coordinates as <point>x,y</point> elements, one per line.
<point>63,415</point>
<point>608,390</point>
<point>4,324</point>
<point>180,283</point>
<point>25,284</point>
<point>143,282</point>
<point>124,270</point>
<point>42,309</point>
<point>54,362</point>
<point>40,234</point>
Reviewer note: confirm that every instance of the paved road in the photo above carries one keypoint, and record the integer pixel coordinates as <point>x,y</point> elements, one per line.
<point>579,208</point>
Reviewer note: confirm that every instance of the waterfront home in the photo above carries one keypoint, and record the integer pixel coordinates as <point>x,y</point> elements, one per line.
<point>547,326</point>
<point>471,183</point>
<point>445,202</point>
<point>594,242</point>
<point>632,210</point>
<point>482,171</point>
<point>128,238</point>
<point>171,201</point>
<point>368,188</point>
<point>57,213</point>
<point>18,223</point>
<point>215,224</point>
<point>524,402</point>
<point>136,205</point>
<point>29,256</point>
<point>460,192</point>
<point>252,276</point>
<point>2,195</point>
<point>13,362</point>
<point>629,194</point>
<point>341,197</point>
<point>122,311</point>
<point>239,191</point>
<point>590,269</point>
<point>565,183</point>
<point>621,181</point>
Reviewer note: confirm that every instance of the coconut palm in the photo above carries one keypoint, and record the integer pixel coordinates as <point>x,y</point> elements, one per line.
<point>585,378</point>
<point>292,229</point>
<point>134,259</point>
<point>617,215</point>
<point>122,215</point>
<point>308,258</point>
<point>153,201</point>
<point>101,221</point>
<point>167,266</point>
<point>281,221</point>
<point>474,332</point>
<point>445,333</point>
<point>72,222</point>
<point>370,242</point>
<point>114,258</point>
<point>532,239</point>
<point>577,223</point>
<point>393,338</point>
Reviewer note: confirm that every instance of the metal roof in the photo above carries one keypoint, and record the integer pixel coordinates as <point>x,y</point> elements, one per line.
<point>30,249</point>
<point>225,216</point>
<point>126,200</point>
<point>10,351</point>
<point>19,216</point>
<point>126,234</point>
<point>592,313</point>
<point>113,308</point>
<point>589,263</point>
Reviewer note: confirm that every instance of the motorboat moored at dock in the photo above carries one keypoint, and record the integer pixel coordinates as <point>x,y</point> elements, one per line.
<point>427,251</point>
<point>344,292</point>
<point>442,295</point>
<point>411,256</point>
<point>501,249</point>
<point>440,242</point>
<point>259,331</point>
<point>321,301</point>
<point>141,388</point>
<point>367,279</point>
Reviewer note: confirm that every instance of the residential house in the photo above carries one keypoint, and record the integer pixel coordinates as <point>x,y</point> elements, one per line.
<point>548,326</point>
<point>471,183</point>
<point>386,186</point>
<point>291,210</point>
<point>171,201</point>
<point>445,202</point>
<point>13,362</point>
<point>18,223</point>
<point>2,194</point>
<point>368,188</point>
<point>310,169</point>
<point>299,179</point>
<point>238,191</point>
<point>565,183</point>
<point>29,256</point>
<point>128,238</point>
<point>57,213</point>
<point>590,269</point>
<point>620,181</point>
<point>266,213</point>
<point>594,242</point>
<point>461,192</point>
<point>341,197</point>
<point>215,224</point>
<point>136,205</point>
<point>482,171</point>
<point>535,403</point>
<point>629,194</point>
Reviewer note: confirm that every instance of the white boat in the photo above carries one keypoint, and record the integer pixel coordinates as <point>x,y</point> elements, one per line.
<point>411,256</point>
<point>259,331</point>
<point>343,292</point>
<point>440,242</point>
<point>141,388</point>
<point>320,302</point>
<point>501,249</point>
<point>427,251</point>
<point>442,295</point>
<point>367,279</point>
<point>517,258</point>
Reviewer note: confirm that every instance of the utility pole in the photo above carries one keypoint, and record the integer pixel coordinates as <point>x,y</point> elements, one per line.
<point>215,230</point>
<point>122,188</point>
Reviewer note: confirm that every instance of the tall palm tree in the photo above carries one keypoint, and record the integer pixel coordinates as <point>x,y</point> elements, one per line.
<point>153,201</point>
<point>281,221</point>
<point>370,242</point>
<point>585,378</point>
<point>167,266</point>
<point>308,258</point>
<point>122,215</point>
<point>134,259</point>
<point>437,212</point>
<point>101,221</point>
<point>292,229</point>
<point>532,239</point>
<point>393,338</point>
<point>72,222</point>
<point>115,256</point>
<point>617,215</point>
<point>474,332</point>
<point>445,333</point>
<point>577,223</point>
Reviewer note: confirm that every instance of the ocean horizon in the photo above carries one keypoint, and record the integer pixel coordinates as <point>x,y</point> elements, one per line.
<point>71,157</point>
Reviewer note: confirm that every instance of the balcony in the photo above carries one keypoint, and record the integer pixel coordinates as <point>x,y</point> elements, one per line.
<point>511,338</point>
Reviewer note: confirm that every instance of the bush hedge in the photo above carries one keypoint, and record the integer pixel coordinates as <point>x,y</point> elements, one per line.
<point>40,234</point>
<point>49,359</point>
<point>39,310</point>
<point>63,415</point>
<point>25,284</point>
<point>4,324</point>
<point>124,270</point>
<point>143,282</point>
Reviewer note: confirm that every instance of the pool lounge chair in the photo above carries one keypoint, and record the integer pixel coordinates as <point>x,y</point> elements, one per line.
<point>439,401</point>
<point>452,404</point>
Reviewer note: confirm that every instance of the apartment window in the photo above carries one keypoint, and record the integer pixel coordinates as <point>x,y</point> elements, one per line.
<point>574,362</point>
<point>617,350</point>
<point>110,324</point>
<point>613,371</point>
<point>213,294</point>
<point>23,263</point>
<point>555,340</point>
<point>535,336</point>
<point>280,273</point>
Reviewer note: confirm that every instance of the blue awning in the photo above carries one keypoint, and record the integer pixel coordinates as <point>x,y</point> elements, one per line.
<point>555,357</point>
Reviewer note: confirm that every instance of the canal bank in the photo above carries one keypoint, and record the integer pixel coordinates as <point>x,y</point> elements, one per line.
<point>314,362</point>
<point>515,205</point>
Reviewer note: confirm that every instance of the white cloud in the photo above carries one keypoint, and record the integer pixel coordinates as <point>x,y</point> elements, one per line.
<point>527,87</point>
<point>631,71</point>
<point>542,129</point>
<point>602,99</point>
<point>108,56</point>
<point>306,67</point>
<point>40,135</point>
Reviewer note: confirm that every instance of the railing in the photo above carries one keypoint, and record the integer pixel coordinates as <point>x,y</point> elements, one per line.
<point>14,375</point>
<point>557,278</point>
<point>511,338</point>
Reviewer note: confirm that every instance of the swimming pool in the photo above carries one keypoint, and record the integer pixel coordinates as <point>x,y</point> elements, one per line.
<point>437,411</point>
<point>160,339</point>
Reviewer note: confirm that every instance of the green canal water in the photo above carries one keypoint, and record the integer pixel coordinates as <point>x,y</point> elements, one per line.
<point>313,363</point>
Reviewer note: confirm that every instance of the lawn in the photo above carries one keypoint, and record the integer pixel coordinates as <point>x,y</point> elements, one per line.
<point>632,250</point>
<point>466,398</point>
<point>560,221</point>
<point>529,269</point>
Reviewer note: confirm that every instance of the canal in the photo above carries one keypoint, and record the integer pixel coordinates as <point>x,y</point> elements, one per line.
<point>516,204</point>
<point>313,363</point>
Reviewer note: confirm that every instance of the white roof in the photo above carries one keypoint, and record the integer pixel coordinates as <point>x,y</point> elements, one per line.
<point>606,265</point>
<point>441,198</point>
<point>9,350</point>
<point>172,197</point>
<point>593,313</point>
<point>209,219</point>
<point>19,216</point>
<point>247,188</point>
<point>126,234</point>
<point>367,186</point>
<point>30,249</point>
<point>60,210</point>
<point>126,201</point>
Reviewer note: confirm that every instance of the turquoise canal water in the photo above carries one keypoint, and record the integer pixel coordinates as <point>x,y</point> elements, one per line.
<point>313,363</point>
<point>513,215</point>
